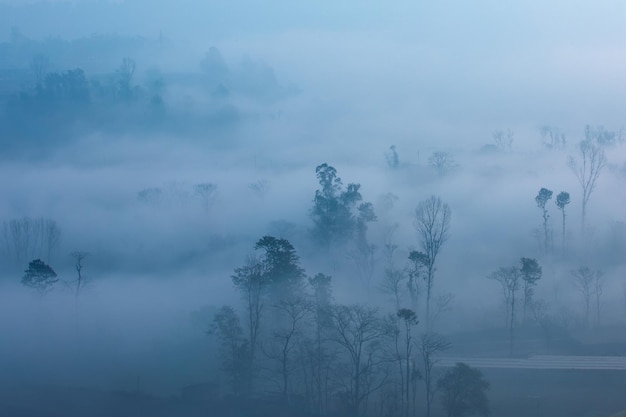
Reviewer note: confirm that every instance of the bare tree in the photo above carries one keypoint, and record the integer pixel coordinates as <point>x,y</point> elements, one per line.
<point>442,162</point>
<point>432,223</point>
<point>207,192</point>
<point>27,237</point>
<point>39,65</point>
<point>587,168</point>
<point>552,138</point>
<point>252,283</point>
<point>509,279</point>
<point>234,348</point>
<point>79,257</point>
<point>260,188</point>
<point>431,344</point>
<point>392,277</point>
<point>562,200</point>
<point>503,140</point>
<point>409,320</point>
<point>585,281</point>
<point>359,331</point>
<point>598,287</point>
<point>292,312</point>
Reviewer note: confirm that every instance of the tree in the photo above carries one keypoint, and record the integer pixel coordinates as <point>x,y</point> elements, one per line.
<point>586,281</point>
<point>542,199</point>
<point>252,283</point>
<point>562,200</point>
<point>234,349</point>
<point>531,273</point>
<point>125,74</point>
<point>587,168</point>
<point>39,66</point>
<point>359,331</point>
<point>509,279</point>
<point>417,269</point>
<point>79,257</point>
<point>318,357</point>
<point>393,162</point>
<point>206,192</point>
<point>292,312</point>
<point>552,138</point>
<point>39,276</point>
<point>503,140</point>
<point>392,277</point>
<point>280,266</point>
<point>334,220</point>
<point>432,223</point>
<point>442,162</point>
<point>464,391</point>
<point>431,344</point>
<point>409,319</point>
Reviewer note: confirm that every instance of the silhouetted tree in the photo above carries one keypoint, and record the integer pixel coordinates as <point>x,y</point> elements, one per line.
<point>418,269</point>
<point>39,276</point>
<point>79,283</point>
<point>531,273</point>
<point>39,65</point>
<point>359,330</point>
<point>431,344</point>
<point>252,283</point>
<point>333,214</point>
<point>585,281</point>
<point>234,349</point>
<point>542,199</point>
<point>562,200</point>
<point>409,320</point>
<point>432,223</point>
<point>509,279</point>
<point>587,168</point>
<point>464,391</point>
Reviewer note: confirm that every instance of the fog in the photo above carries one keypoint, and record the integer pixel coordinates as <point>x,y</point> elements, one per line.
<point>165,140</point>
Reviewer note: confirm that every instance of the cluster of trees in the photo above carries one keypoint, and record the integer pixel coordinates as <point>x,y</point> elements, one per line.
<point>294,341</point>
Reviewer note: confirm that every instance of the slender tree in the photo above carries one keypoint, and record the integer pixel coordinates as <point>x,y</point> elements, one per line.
<point>431,344</point>
<point>432,223</point>
<point>542,199</point>
<point>584,280</point>
<point>562,200</point>
<point>531,273</point>
<point>587,168</point>
<point>509,279</point>
<point>409,320</point>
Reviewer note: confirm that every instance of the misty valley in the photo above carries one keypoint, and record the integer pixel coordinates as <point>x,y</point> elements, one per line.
<point>332,214</point>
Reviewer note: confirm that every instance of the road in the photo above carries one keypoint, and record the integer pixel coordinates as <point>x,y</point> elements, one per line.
<point>617,363</point>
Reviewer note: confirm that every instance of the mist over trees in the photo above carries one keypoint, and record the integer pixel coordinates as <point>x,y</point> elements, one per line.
<point>335,219</point>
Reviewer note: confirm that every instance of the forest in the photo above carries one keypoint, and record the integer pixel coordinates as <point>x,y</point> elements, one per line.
<point>312,217</point>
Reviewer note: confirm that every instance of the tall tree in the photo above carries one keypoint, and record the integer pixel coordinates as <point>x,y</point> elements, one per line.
<point>431,344</point>
<point>585,281</point>
<point>587,168</point>
<point>531,273</point>
<point>359,330</point>
<point>79,283</point>
<point>562,200</point>
<point>509,279</point>
<point>542,199</point>
<point>234,349</point>
<point>280,265</point>
<point>464,391</point>
<point>252,283</point>
<point>432,223</point>
<point>409,319</point>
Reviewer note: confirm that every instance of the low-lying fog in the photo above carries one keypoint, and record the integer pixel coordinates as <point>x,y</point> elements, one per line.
<point>349,81</point>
